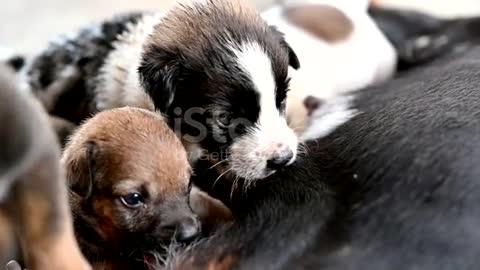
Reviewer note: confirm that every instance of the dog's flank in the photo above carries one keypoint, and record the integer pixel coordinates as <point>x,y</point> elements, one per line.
<point>33,197</point>
<point>395,187</point>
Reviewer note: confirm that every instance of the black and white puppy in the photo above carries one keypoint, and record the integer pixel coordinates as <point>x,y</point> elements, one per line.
<point>214,68</point>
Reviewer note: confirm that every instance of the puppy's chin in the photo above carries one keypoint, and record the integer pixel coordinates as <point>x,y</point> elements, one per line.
<point>260,154</point>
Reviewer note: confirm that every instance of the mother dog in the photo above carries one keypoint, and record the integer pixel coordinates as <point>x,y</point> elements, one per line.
<point>395,187</point>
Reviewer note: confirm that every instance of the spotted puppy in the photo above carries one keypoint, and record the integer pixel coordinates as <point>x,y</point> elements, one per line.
<point>34,213</point>
<point>214,68</point>
<point>128,176</point>
<point>340,49</point>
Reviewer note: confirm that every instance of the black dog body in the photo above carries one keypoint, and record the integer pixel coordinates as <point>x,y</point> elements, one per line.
<point>396,187</point>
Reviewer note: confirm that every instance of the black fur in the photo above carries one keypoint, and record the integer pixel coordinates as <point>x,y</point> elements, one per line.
<point>404,28</point>
<point>86,52</point>
<point>397,187</point>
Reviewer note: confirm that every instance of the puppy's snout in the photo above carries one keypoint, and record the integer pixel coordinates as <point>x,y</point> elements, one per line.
<point>280,160</point>
<point>185,228</point>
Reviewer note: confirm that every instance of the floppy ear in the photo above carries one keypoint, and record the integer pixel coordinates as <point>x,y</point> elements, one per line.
<point>292,56</point>
<point>80,168</point>
<point>159,81</point>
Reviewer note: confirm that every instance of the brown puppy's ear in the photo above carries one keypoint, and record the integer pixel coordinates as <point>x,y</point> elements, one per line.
<point>80,168</point>
<point>292,56</point>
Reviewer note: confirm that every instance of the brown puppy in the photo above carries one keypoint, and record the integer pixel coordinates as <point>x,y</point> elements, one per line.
<point>129,179</point>
<point>34,215</point>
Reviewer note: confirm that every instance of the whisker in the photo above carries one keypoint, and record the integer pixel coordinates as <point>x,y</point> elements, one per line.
<point>218,178</point>
<point>218,163</point>
<point>234,186</point>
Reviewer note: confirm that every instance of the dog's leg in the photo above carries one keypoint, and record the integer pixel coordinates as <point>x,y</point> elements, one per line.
<point>34,195</point>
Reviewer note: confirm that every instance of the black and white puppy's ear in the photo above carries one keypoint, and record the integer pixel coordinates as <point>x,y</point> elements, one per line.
<point>158,78</point>
<point>80,168</point>
<point>292,56</point>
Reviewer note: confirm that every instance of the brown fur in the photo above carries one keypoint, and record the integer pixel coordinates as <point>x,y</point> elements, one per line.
<point>212,212</point>
<point>35,202</point>
<point>325,22</point>
<point>224,264</point>
<point>113,154</point>
<point>184,25</point>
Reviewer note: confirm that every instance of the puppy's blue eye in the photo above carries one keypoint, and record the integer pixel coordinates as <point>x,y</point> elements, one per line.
<point>132,200</point>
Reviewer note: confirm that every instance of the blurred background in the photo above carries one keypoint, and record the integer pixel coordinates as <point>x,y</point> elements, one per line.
<point>28,24</point>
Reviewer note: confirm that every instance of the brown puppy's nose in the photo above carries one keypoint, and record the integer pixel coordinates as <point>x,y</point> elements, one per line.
<point>185,228</point>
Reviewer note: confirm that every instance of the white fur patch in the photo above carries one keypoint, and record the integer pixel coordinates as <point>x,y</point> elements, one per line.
<point>332,114</point>
<point>331,69</point>
<point>270,135</point>
<point>5,53</point>
<point>119,83</point>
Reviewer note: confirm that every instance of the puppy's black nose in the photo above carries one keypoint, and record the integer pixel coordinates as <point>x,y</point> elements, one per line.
<point>280,161</point>
<point>185,228</point>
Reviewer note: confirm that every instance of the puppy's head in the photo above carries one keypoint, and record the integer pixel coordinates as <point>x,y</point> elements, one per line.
<point>220,74</point>
<point>129,179</point>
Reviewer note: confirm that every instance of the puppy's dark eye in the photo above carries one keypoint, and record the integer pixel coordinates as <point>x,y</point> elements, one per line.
<point>223,119</point>
<point>132,200</point>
